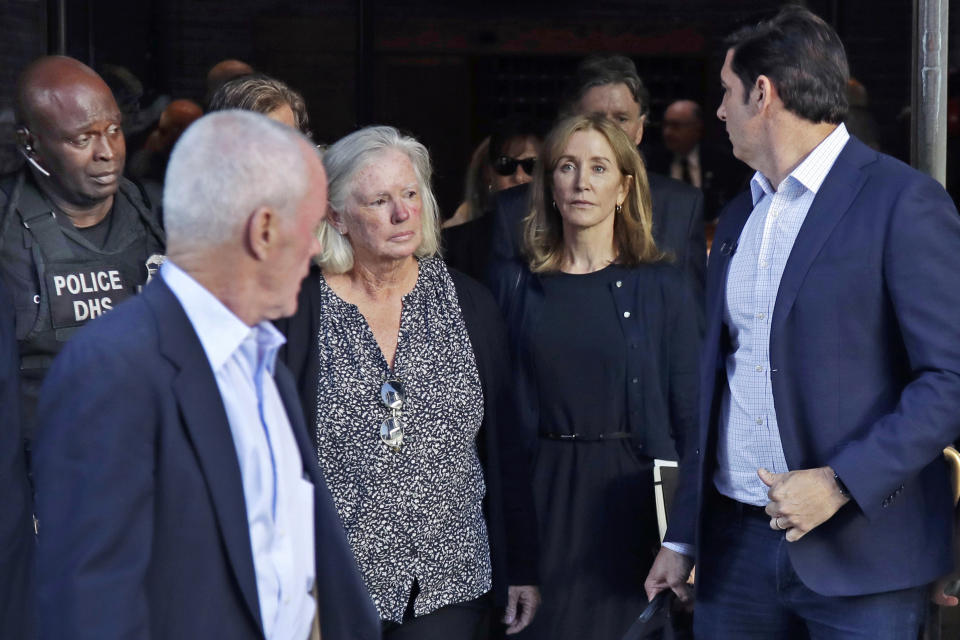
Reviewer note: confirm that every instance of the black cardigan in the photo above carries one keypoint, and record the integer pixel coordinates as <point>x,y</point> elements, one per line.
<point>661,323</point>
<point>511,519</point>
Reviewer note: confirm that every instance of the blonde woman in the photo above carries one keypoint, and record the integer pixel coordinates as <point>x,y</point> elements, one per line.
<point>605,337</point>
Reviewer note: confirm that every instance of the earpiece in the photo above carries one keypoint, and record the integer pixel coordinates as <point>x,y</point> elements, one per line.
<point>26,150</point>
<point>23,135</point>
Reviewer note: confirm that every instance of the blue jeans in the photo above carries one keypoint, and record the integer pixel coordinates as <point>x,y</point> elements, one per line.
<point>747,588</point>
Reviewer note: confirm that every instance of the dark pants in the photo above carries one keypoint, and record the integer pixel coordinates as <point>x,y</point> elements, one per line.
<point>747,588</point>
<point>461,621</point>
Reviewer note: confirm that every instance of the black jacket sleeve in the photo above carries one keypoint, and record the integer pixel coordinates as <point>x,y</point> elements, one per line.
<point>506,457</point>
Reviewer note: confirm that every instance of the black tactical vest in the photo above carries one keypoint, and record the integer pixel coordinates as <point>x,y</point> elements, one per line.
<point>59,280</point>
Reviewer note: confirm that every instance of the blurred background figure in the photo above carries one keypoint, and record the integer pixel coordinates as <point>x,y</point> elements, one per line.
<point>682,132</point>
<point>266,95</point>
<point>149,164</point>
<point>859,120</point>
<point>689,157</point>
<point>506,159</point>
<point>130,93</point>
<point>478,184</point>
<point>222,72</point>
<point>605,337</point>
<point>402,367</point>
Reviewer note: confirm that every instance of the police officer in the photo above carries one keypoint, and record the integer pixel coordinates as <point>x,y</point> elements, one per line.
<point>75,235</point>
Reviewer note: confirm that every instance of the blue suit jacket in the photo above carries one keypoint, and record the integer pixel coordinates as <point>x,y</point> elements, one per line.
<point>143,528</point>
<point>865,365</point>
<point>16,510</point>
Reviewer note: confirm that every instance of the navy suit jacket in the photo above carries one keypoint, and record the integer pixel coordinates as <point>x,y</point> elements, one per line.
<point>143,528</point>
<point>677,226</point>
<point>865,366</point>
<point>16,510</point>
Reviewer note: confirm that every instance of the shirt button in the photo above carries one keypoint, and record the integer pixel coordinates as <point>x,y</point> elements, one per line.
<point>759,368</point>
<point>764,264</point>
<point>619,283</point>
<point>759,420</point>
<point>774,214</point>
<point>626,314</point>
<point>761,316</point>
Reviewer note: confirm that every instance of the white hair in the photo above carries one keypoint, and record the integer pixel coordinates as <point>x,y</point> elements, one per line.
<point>224,167</point>
<point>343,160</point>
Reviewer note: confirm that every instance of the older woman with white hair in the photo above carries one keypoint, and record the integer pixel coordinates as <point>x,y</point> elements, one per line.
<point>402,367</point>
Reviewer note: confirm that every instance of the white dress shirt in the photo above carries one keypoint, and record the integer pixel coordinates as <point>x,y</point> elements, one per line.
<point>279,500</point>
<point>749,432</point>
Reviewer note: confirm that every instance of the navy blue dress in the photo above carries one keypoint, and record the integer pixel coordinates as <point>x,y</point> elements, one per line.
<point>593,488</point>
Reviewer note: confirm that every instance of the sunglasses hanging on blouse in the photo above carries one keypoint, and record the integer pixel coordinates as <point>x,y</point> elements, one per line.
<point>391,429</point>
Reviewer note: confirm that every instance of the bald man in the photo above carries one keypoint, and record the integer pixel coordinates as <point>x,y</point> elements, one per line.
<point>149,164</point>
<point>75,236</point>
<point>178,491</point>
<point>224,71</point>
<point>690,158</point>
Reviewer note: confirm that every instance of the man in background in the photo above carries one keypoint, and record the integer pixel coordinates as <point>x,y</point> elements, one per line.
<point>690,159</point>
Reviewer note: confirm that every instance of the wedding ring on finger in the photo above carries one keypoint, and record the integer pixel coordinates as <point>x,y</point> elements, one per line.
<point>779,526</point>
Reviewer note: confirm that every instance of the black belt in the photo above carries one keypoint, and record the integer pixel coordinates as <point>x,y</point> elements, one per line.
<point>579,437</point>
<point>741,508</point>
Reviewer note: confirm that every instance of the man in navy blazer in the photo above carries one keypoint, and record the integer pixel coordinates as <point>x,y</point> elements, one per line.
<point>816,500</point>
<point>178,493</point>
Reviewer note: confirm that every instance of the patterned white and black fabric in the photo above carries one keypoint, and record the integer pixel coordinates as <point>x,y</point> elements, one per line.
<point>413,514</point>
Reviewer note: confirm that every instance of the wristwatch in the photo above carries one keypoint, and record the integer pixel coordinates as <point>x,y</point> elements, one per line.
<point>843,488</point>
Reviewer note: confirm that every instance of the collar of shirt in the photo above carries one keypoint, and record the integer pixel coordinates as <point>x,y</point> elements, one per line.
<point>693,163</point>
<point>220,331</point>
<point>810,173</point>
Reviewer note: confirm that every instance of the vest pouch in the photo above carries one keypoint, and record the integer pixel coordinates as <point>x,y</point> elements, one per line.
<point>81,291</point>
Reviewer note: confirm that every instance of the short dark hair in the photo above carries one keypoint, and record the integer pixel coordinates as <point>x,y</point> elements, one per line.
<point>804,59</point>
<point>263,94</point>
<point>600,70</point>
<point>506,129</point>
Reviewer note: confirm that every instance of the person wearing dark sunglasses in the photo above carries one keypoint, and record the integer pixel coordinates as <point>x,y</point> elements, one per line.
<point>505,159</point>
<point>512,170</point>
<point>402,369</point>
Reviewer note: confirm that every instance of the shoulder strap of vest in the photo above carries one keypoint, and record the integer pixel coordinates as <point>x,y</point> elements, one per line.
<point>144,208</point>
<point>10,186</point>
<point>38,216</point>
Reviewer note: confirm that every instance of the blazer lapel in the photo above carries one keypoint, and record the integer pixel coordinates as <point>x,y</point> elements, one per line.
<point>832,201</point>
<point>725,244</point>
<point>205,421</point>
